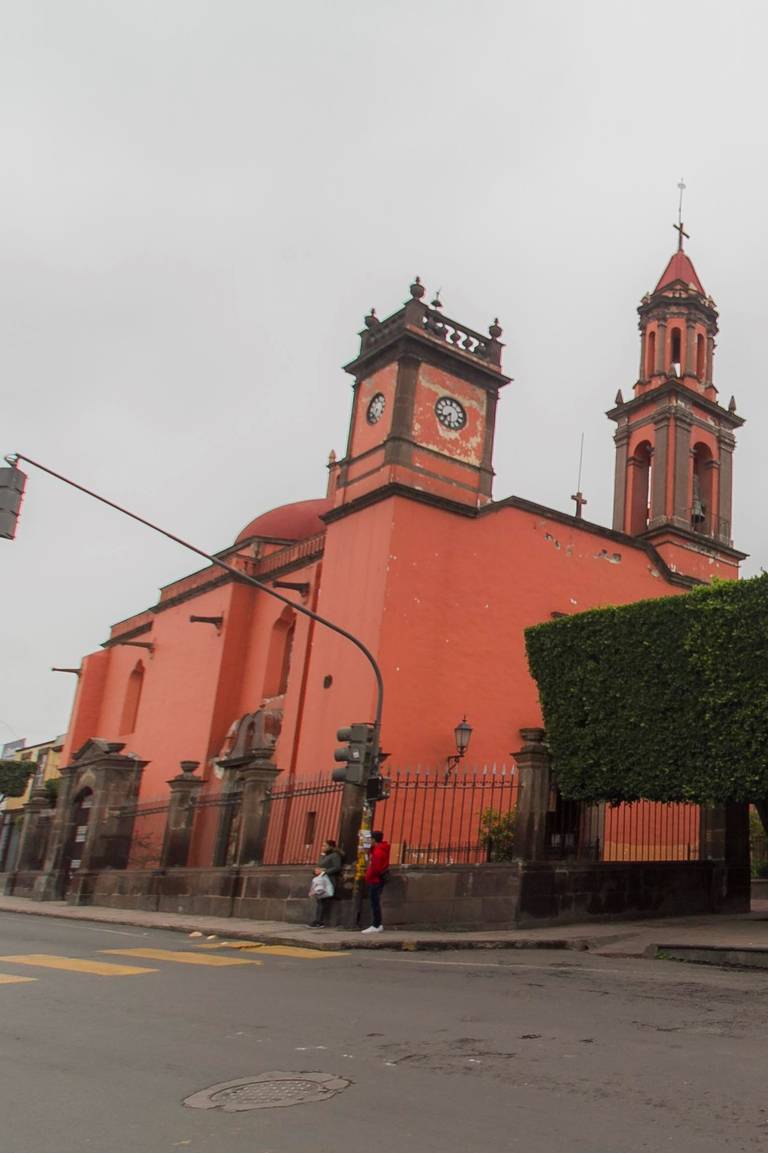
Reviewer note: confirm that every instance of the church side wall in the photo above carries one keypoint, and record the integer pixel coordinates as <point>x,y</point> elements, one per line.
<point>355,573</point>
<point>459,594</point>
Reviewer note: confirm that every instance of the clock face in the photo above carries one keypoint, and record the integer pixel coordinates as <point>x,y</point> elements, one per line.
<point>376,408</point>
<point>450,413</point>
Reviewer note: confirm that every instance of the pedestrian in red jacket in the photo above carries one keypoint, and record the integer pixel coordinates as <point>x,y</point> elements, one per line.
<point>376,876</point>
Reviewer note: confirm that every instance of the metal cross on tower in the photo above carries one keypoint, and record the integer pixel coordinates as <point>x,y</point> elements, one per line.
<point>680,226</point>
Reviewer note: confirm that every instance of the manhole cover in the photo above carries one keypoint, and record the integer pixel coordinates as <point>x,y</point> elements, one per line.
<point>269,1091</point>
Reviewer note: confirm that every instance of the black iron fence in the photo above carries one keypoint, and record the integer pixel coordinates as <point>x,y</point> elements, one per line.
<point>302,815</point>
<point>435,817</point>
<point>643,831</point>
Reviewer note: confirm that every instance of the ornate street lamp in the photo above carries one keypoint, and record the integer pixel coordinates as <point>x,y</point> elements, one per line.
<point>462,735</point>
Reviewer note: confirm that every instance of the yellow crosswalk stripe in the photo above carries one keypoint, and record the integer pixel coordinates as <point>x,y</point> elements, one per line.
<point>183,958</point>
<point>75,965</point>
<point>9,979</point>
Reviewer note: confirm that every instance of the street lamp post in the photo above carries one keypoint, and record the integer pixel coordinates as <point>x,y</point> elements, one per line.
<point>12,482</point>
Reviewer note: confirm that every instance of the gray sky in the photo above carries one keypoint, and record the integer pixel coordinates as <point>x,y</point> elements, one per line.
<point>200,201</point>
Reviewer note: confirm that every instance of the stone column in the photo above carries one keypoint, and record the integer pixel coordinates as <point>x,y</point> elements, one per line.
<point>681,493</point>
<point>661,346</point>
<point>53,886</point>
<point>736,897</point>
<point>621,439</point>
<point>727,444</point>
<point>709,372</point>
<point>712,832</point>
<point>535,776</point>
<point>641,374</point>
<point>257,776</point>
<point>690,349</point>
<point>34,832</point>
<point>661,423</point>
<point>181,815</point>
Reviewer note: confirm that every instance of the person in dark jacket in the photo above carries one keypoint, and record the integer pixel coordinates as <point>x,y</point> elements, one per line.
<point>376,876</point>
<point>331,863</point>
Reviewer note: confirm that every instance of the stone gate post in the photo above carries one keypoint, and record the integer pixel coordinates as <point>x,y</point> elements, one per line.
<point>181,814</point>
<point>34,832</point>
<point>258,776</point>
<point>534,766</point>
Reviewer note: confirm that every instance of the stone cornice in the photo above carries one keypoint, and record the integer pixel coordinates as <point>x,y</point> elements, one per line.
<point>673,387</point>
<point>411,342</point>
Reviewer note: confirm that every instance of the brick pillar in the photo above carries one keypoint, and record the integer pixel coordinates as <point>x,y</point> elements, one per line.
<point>534,766</point>
<point>181,815</point>
<point>34,832</point>
<point>257,776</point>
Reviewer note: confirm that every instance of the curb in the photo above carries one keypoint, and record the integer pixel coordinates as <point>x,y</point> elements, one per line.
<point>722,956</point>
<point>435,944</point>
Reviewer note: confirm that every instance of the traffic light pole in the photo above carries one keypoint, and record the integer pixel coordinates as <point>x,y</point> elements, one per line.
<point>13,459</point>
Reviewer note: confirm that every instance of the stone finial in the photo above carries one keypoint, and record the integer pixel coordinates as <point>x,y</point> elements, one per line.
<point>495,330</point>
<point>331,457</point>
<point>619,398</point>
<point>437,302</point>
<point>732,404</point>
<point>417,289</point>
<point>189,767</point>
<point>372,319</point>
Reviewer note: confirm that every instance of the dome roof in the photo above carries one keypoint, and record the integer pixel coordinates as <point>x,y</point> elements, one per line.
<point>289,522</point>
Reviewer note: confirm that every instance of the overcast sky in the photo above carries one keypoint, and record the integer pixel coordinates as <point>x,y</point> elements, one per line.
<point>201,200</point>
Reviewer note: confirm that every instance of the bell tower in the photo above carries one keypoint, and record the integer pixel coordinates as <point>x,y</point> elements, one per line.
<point>674,440</point>
<point>424,406</point>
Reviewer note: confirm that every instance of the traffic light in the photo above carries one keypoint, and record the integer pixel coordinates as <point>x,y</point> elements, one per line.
<point>376,788</point>
<point>12,481</point>
<point>355,754</point>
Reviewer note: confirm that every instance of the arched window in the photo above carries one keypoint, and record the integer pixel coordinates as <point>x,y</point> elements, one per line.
<point>132,698</point>
<point>650,357</point>
<point>701,489</point>
<point>279,655</point>
<point>640,492</point>
<point>701,356</point>
<point>675,345</point>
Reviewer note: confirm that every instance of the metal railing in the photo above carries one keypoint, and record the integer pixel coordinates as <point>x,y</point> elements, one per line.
<point>465,817</point>
<point>643,831</point>
<point>302,814</point>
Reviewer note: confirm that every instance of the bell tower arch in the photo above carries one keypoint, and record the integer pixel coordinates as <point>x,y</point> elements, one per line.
<point>674,440</point>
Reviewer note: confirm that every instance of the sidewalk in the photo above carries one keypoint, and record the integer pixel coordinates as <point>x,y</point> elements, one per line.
<point>741,939</point>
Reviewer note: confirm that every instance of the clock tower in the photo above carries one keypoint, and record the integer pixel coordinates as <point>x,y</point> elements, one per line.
<point>424,406</point>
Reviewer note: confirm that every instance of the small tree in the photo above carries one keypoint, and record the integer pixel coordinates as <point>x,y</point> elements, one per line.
<point>498,830</point>
<point>14,776</point>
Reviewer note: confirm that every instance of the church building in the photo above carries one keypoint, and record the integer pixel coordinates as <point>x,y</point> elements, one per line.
<point>412,551</point>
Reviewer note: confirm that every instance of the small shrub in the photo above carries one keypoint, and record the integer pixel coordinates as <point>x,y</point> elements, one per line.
<point>498,830</point>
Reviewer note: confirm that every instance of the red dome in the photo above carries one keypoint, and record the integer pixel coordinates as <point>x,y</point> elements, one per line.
<point>289,522</point>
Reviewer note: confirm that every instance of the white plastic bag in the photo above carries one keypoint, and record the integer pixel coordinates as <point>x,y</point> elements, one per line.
<point>322,886</point>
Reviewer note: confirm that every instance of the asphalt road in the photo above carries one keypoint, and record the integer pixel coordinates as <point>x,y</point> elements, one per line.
<point>461,1052</point>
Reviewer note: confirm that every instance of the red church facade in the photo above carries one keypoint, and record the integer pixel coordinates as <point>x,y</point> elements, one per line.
<point>410,552</point>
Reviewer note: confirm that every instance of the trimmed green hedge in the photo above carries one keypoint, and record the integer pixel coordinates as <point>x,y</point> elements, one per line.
<point>14,776</point>
<point>663,700</point>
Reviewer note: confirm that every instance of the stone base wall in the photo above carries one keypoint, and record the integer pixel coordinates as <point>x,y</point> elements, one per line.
<point>552,894</point>
<point>453,897</point>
